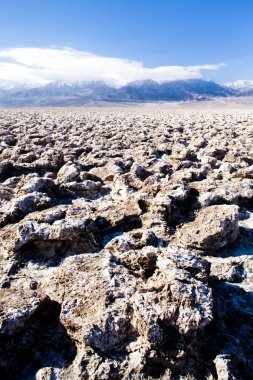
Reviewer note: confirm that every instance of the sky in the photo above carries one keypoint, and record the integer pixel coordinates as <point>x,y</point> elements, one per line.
<point>125,40</point>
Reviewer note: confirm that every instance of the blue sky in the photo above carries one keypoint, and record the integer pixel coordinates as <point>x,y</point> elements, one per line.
<point>155,33</point>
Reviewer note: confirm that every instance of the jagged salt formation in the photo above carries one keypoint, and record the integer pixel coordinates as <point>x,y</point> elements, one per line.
<point>126,244</point>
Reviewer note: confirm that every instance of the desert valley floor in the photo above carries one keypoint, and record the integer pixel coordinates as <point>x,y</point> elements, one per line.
<point>126,244</point>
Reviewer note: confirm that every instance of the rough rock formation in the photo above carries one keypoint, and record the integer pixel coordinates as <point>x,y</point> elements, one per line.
<point>126,245</point>
<point>213,228</point>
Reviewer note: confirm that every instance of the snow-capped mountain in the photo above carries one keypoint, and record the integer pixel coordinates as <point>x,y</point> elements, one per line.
<point>17,86</point>
<point>243,87</point>
<point>192,89</point>
<point>59,91</point>
<point>78,93</point>
<point>145,83</point>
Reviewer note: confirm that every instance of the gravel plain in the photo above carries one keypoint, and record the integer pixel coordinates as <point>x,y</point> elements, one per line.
<point>126,244</point>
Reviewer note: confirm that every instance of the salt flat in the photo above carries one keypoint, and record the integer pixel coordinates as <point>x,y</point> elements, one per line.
<point>126,242</point>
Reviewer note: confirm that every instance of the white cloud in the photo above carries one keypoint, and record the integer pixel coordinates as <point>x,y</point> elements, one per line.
<point>38,66</point>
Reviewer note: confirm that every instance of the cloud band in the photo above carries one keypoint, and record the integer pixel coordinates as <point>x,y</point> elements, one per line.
<point>39,66</point>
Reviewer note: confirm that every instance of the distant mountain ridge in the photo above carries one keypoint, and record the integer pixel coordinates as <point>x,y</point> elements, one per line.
<point>242,87</point>
<point>60,93</point>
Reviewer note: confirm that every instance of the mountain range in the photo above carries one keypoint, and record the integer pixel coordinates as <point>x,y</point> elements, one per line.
<point>60,93</point>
